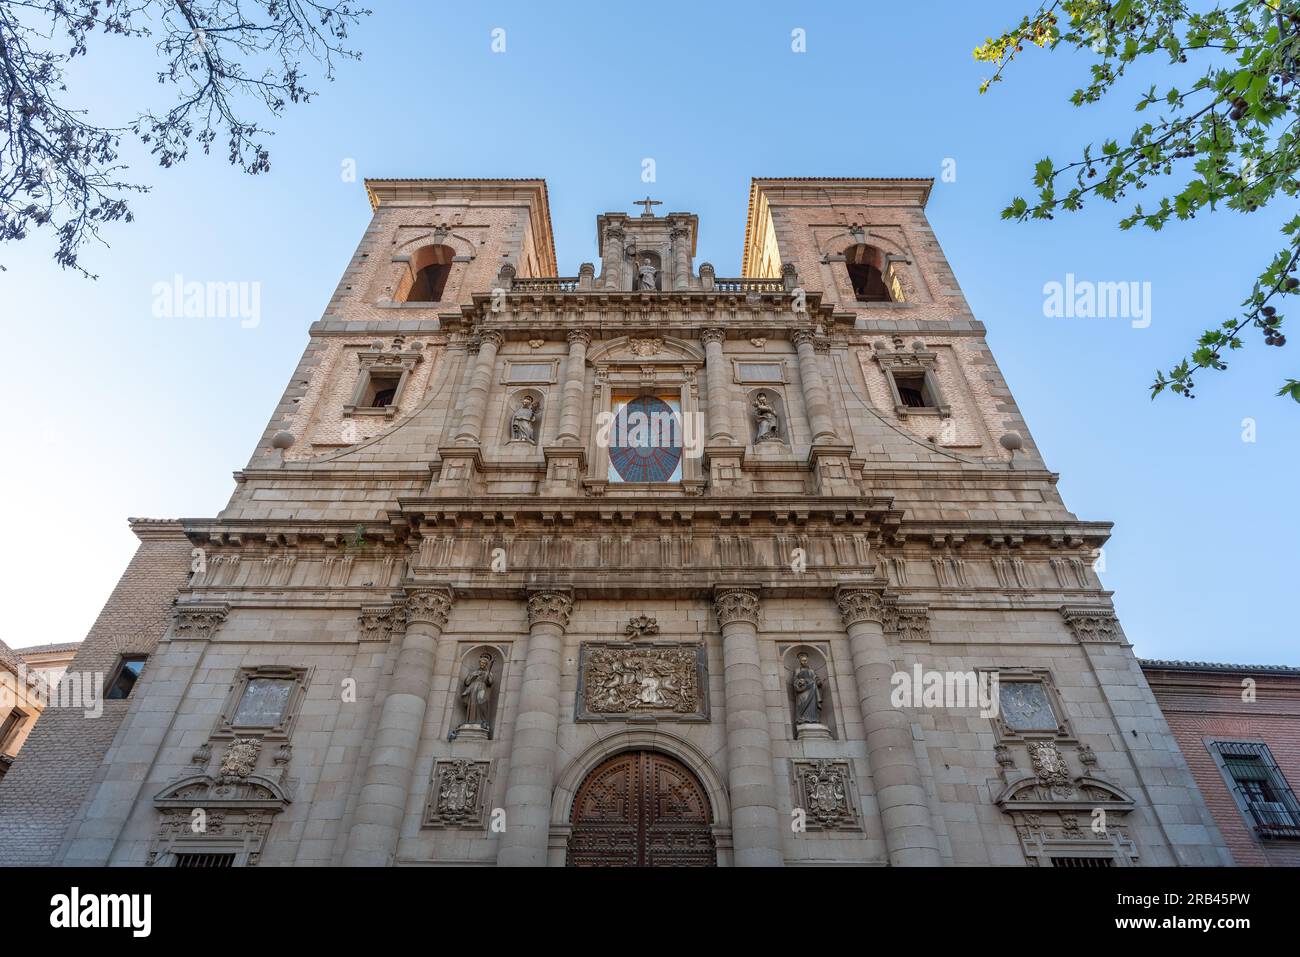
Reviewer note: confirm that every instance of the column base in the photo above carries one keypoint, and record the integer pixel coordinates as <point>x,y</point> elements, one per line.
<point>725,464</point>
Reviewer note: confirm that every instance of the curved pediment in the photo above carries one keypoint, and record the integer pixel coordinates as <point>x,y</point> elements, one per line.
<point>206,791</point>
<point>643,349</point>
<point>1084,793</point>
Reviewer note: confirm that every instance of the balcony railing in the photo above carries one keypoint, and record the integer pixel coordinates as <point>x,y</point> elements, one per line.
<point>573,284</point>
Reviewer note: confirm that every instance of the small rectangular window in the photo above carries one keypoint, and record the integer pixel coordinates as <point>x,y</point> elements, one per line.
<point>381,391</point>
<point>913,391</point>
<point>124,678</point>
<point>10,726</point>
<point>1082,862</point>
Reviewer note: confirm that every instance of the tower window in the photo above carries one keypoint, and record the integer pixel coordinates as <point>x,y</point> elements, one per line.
<point>381,390</point>
<point>9,727</point>
<point>913,391</point>
<point>430,268</point>
<point>124,678</point>
<point>866,267</point>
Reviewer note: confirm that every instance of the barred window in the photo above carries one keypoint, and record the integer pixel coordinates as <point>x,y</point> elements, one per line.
<point>1261,791</point>
<point>205,860</point>
<point>1082,862</point>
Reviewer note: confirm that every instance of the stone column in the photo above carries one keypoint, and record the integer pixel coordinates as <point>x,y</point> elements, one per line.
<point>575,381</point>
<point>755,824</point>
<point>471,417</point>
<point>531,779</point>
<point>895,772</point>
<point>815,398</point>
<point>377,823</point>
<point>716,383</point>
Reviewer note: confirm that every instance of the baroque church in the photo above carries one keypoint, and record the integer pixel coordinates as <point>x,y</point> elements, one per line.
<point>642,566</point>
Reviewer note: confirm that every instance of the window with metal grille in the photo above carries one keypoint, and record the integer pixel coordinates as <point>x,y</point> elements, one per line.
<point>205,860</point>
<point>1082,862</point>
<point>1261,791</point>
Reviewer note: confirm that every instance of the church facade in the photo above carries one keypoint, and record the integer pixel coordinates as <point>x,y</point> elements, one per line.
<point>639,566</point>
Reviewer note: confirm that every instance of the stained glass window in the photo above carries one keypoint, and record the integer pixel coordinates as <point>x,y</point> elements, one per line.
<point>645,439</point>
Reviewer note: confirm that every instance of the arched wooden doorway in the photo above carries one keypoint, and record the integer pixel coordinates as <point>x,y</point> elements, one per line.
<point>641,809</point>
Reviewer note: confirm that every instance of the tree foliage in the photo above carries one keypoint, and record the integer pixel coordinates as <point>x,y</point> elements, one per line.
<point>223,64</point>
<point>1223,136</point>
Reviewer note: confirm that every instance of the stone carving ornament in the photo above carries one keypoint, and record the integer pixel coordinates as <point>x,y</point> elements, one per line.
<point>476,692</point>
<point>645,347</point>
<point>807,693</point>
<point>641,680</point>
<point>522,423</point>
<point>457,798</point>
<point>240,759</point>
<point>641,626</point>
<point>823,793</point>
<point>1049,764</point>
<point>736,604</point>
<point>767,424</point>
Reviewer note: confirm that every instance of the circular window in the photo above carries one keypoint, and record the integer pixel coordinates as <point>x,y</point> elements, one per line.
<point>648,441</point>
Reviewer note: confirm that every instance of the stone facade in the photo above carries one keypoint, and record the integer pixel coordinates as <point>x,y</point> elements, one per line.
<point>1221,712</point>
<point>472,622</point>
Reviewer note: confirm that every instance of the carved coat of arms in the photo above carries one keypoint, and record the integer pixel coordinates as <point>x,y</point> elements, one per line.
<point>240,759</point>
<point>1049,764</point>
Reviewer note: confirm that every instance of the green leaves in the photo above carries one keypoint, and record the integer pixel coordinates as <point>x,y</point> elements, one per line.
<point>1228,134</point>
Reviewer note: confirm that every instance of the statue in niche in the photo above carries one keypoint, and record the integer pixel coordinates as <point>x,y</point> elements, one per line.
<point>476,693</point>
<point>522,422</point>
<point>767,422</point>
<point>807,693</point>
<point>646,276</point>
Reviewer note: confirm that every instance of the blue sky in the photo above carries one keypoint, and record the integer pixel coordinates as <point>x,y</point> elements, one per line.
<point>115,412</point>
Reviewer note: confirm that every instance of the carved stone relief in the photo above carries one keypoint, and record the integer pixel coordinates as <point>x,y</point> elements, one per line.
<point>823,790</point>
<point>457,794</point>
<point>659,680</point>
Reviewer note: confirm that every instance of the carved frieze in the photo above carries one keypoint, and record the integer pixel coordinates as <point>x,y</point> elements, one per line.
<point>646,681</point>
<point>457,794</point>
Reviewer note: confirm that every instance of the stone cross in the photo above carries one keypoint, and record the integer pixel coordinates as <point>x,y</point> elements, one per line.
<point>647,203</point>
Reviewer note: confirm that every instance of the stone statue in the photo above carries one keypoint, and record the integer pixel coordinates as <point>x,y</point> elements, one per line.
<point>769,425</point>
<point>647,274</point>
<point>807,693</point>
<point>476,694</point>
<point>521,423</point>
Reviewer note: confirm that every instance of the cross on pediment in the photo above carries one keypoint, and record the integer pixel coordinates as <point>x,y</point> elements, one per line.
<point>647,203</point>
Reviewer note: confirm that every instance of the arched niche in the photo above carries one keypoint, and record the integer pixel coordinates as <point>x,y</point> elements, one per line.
<point>515,401</point>
<point>467,666</point>
<point>776,400</point>
<point>819,662</point>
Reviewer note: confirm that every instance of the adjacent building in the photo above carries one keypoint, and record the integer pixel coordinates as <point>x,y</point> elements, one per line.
<point>1239,728</point>
<point>641,565</point>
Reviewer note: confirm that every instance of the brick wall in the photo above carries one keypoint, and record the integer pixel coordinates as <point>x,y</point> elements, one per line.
<point>42,792</point>
<point>1202,704</point>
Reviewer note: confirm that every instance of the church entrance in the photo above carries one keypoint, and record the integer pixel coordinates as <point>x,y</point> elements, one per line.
<point>641,809</point>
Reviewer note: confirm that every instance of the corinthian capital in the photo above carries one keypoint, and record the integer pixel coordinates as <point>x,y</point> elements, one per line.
<point>579,337</point>
<point>860,604</point>
<point>735,604</point>
<point>492,338</point>
<point>428,605</point>
<point>713,335</point>
<point>550,605</point>
<point>801,336</point>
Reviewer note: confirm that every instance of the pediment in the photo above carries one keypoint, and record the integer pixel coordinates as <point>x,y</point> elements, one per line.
<point>646,349</point>
<point>1084,793</point>
<point>203,790</point>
